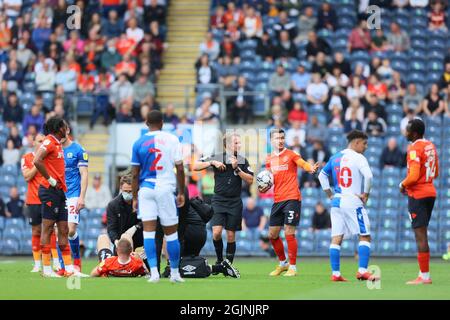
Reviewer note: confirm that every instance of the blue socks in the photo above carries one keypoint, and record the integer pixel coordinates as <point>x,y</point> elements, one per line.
<point>61,261</point>
<point>75,245</point>
<point>173,249</point>
<point>335,259</point>
<point>364,255</point>
<point>150,248</point>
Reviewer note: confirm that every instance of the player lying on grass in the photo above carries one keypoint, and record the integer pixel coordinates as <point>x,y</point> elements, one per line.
<point>347,170</point>
<point>126,264</point>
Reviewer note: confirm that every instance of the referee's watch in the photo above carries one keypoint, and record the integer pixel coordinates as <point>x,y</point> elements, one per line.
<point>237,170</point>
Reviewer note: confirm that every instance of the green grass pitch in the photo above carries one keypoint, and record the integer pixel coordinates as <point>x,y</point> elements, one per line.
<point>313,282</point>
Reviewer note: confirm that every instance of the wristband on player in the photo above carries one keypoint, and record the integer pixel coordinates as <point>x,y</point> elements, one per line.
<point>237,170</point>
<point>401,185</point>
<point>52,181</point>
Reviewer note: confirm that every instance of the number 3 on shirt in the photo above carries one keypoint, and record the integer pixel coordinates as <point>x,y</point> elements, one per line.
<point>430,164</point>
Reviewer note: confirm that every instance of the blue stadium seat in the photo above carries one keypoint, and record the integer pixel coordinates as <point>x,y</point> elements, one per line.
<point>25,246</point>
<point>12,233</point>
<point>305,246</point>
<point>15,223</point>
<point>97,212</point>
<point>407,247</point>
<point>10,246</point>
<point>94,222</point>
<point>388,235</point>
<point>322,246</point>
<point>305,235</point>
<point>386,247</point>
<point>305,223</point>
<point>10,170</point>
<point>2,223</point>
<point>7,181</point>
<point>85,105</point>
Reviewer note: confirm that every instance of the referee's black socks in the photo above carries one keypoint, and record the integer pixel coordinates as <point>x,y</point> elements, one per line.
<point>218,246</point>
<point>231,250</point>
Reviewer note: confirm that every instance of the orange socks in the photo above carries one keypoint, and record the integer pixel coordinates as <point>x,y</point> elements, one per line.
<point>424,261</point>
<point>278,247</point>
<point>36,248</point>
<point>292,248</point>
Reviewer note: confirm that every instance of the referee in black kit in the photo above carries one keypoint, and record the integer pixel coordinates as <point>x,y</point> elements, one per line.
<point>229,170</point>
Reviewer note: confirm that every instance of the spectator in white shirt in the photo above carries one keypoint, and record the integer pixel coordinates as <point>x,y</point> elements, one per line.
<point>46,79</point>
<point>296,131</point>
<point>357,90</point>
<point>317,91</point>
<point>134,32</point>
<point>210,46</point>
<point>97,194</point>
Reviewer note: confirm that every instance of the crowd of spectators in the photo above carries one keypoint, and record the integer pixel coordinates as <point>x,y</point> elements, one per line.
<point>113,58</point>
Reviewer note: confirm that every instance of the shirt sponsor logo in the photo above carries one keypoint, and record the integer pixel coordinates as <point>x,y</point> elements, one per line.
<point>282,167</point>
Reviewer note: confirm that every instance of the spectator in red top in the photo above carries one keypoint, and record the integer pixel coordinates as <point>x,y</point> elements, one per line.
<point>229,48</point>
<point>127,66</point>
<point>298,114</point>
<point>234,14</point>
<point>86,82</point>
<point>126,45</point>
<point>218,19</point>
<point>233,30</point>
<point>359,38</point>
<point>437,17</point>
<point>377,87</point>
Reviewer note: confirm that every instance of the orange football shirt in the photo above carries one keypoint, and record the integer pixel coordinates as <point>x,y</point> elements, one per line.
<point>423,152</point>
<point>54,162</point>
<point>112,267</point>
<point>284,169</point>
<point>33,184</point>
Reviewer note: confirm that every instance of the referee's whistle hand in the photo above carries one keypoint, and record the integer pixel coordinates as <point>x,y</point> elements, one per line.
<point>218,165</point>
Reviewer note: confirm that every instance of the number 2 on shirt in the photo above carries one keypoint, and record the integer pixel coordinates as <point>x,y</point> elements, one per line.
<point>154,166</point>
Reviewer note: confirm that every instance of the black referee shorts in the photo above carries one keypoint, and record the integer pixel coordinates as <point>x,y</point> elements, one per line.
<point>227,213</point>
<point>420,211</point>
<point>53,205</point>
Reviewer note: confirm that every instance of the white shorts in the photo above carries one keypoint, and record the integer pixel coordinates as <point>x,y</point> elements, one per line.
<point>158,203</point>
<point>72,215</point>
<point>349,222</point>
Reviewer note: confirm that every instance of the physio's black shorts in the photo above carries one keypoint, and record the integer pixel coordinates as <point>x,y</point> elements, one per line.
<point>227,212</point>
<point>194,240</point>
<point>285,213</point>
<point>104,254</point>
<point>420,211</point>
<point>34,214</point>
<point>53,205</point>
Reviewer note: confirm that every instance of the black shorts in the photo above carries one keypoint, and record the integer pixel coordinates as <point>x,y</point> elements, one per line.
<point>34,214</point>
<point>285,213</point>
<point>420,211</point>
<point>104,254</point>
<point>227,213</point>
<point>194,240</point>
<point>53,205</point>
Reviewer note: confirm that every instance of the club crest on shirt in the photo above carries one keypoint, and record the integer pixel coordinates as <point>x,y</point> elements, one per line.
<point>70,155</point>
